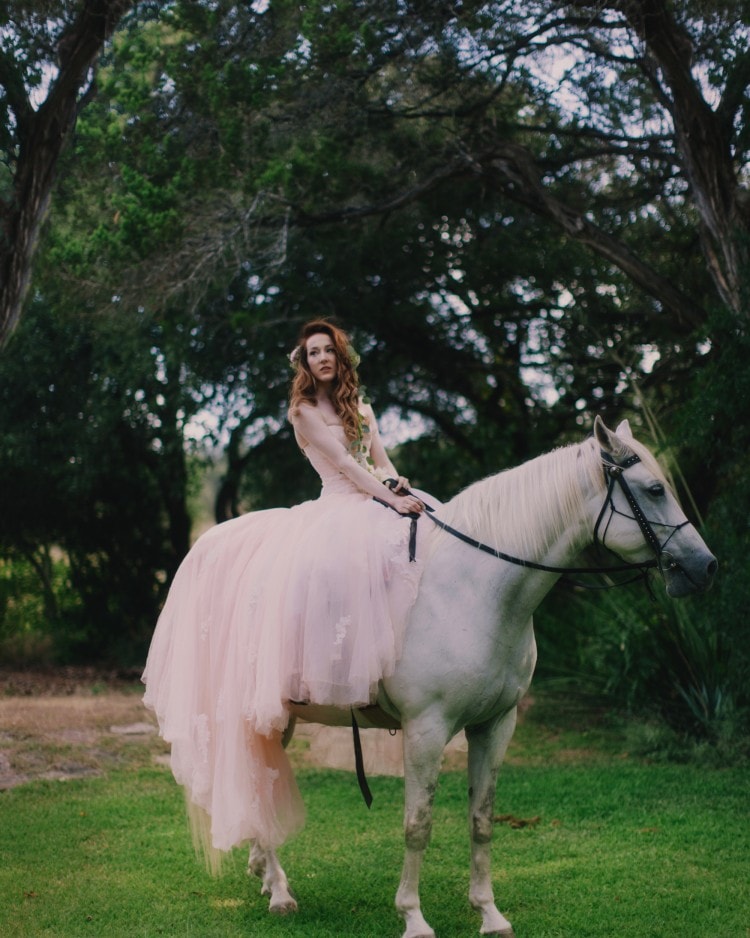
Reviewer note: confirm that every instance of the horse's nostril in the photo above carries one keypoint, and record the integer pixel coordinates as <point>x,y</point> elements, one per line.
<point>713,566</point>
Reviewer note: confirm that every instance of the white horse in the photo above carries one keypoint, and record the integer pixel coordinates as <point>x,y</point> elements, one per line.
<point>469,649</point>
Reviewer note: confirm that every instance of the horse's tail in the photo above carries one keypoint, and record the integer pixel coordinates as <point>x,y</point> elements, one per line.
<point>200,829</point>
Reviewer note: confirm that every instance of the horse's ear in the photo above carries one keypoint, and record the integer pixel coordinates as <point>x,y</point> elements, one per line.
<point>623,430</point>
<point>602,434</point>
<point>610,442</point>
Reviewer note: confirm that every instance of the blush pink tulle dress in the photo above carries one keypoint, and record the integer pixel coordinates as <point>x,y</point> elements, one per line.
<point>307,604</point>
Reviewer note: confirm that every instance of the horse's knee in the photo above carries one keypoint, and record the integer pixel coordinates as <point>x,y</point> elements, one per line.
<point>481,819</point>
<point>481,828</point>
<point>417,829</point>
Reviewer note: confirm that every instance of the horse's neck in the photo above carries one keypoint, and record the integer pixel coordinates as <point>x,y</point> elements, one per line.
<point>536,511</point>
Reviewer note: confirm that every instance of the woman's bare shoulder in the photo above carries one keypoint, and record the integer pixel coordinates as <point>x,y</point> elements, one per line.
<point>301,407</point>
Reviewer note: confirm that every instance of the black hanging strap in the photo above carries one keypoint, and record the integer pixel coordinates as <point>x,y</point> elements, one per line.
<point>413,537</point>
<point>359,763</point>
<point>413,516</point>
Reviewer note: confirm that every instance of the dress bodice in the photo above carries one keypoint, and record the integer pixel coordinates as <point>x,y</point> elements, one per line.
<point>333,480</point>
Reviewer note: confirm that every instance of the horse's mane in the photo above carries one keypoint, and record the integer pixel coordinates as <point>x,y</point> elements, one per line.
<point>527,508</point>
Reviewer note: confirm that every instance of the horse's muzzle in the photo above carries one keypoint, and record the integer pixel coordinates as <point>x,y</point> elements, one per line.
<point>694,574</point>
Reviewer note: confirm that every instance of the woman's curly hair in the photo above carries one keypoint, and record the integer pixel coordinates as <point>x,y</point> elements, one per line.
<point>345,389</point>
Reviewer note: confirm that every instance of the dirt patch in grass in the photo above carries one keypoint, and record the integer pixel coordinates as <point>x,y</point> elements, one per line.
<point>75,722</point>
<point>71,722</point>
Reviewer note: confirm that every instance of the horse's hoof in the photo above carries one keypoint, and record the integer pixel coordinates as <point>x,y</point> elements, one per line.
<point>285,907</point>
<point>497,926</point>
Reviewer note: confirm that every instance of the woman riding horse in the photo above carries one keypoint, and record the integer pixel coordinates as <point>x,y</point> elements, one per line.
<point>302,604</point>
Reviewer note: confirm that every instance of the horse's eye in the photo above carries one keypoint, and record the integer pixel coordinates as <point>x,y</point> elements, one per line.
<point>657,489</point>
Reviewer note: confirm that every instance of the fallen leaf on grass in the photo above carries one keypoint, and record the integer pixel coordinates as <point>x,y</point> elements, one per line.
<point>516,822</point>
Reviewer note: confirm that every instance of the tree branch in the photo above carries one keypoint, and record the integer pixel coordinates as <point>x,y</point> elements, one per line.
<point>15,92</point>
<point>515,173</point>
<point>450,170</point>
<point>512,169</point>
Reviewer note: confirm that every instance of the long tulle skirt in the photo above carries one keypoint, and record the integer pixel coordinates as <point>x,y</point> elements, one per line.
<point>306,603</point>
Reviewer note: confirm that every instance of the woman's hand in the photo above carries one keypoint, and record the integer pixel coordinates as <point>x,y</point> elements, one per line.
<point>406,504</point>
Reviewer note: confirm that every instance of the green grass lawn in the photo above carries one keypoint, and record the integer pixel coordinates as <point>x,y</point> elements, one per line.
<point>620,849</point>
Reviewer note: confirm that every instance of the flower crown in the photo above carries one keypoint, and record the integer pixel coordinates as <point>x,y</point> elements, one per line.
<point>296,354</point>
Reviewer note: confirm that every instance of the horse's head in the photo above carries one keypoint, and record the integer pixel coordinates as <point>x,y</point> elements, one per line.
<point>641,519</point>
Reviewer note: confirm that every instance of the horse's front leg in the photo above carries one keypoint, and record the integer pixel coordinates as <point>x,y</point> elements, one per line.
<point>424,742</point>
<point>264,864</point>
<point>487,746</point>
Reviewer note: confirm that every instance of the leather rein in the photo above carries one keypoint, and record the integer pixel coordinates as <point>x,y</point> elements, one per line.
<point>614,475</point>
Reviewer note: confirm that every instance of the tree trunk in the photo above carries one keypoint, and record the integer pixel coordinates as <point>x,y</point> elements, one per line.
<point>702,139</point>
<point>42,135</point>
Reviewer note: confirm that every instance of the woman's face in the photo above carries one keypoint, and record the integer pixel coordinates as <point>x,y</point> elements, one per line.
<point>321,358</point>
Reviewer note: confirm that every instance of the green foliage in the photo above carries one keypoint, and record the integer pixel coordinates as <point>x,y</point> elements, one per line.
<point>654,658</point>
<point>93,467</point>
<point>35,597</point>
<point>719,433</point>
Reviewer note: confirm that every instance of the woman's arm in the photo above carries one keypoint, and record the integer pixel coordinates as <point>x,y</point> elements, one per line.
<point>379,455</point>
<point>309,424</point>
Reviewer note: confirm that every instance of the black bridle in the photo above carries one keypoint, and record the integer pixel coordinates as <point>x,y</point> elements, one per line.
<point>614,474</point>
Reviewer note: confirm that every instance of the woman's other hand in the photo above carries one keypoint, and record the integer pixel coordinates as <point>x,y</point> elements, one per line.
<point>402,485</point>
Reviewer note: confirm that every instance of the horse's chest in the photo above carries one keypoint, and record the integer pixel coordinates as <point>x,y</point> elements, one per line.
<point>465,644</point>
<point>485,676</point>
<point>500,685</point>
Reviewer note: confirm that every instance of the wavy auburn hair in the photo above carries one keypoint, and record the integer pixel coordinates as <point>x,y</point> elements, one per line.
<point>345,388</point>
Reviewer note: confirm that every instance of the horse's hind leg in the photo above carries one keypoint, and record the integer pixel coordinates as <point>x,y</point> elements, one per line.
<point>264,864</point>
<point>423,750</point>
<point>487,746</point>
